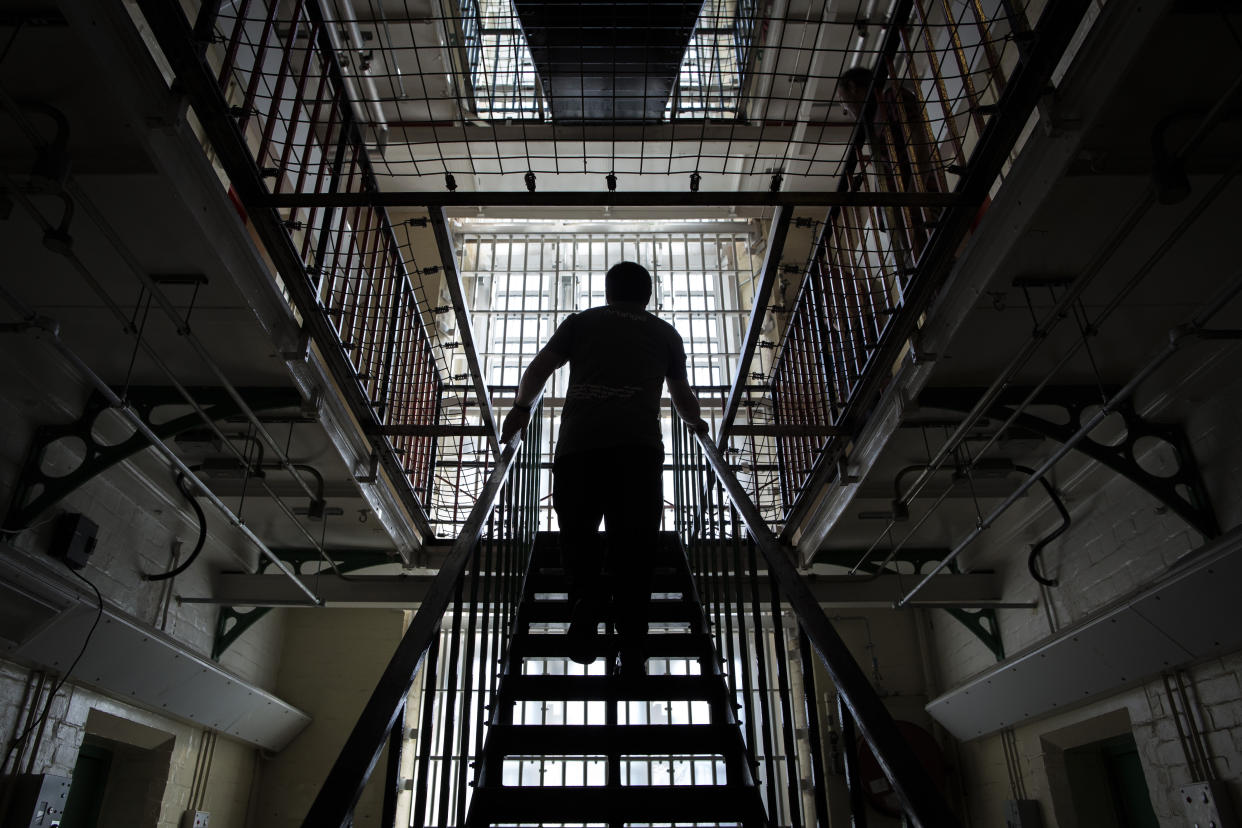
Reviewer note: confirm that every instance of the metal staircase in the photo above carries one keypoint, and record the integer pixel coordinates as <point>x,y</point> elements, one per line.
<point>635,737</point>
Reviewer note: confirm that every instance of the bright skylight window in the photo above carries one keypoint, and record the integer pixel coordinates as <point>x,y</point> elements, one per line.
<point>506,85</point>
<point>502,73</point>
<point>709,84</point>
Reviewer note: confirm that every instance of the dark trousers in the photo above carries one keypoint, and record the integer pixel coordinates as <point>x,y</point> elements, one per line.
<point>624,488</point>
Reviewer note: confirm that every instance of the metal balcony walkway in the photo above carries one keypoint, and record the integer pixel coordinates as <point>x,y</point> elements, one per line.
<point>626,748</point>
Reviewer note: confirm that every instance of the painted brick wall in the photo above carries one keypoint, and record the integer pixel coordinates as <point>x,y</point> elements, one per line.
<point>332,660</point>
<point>1121,539</point>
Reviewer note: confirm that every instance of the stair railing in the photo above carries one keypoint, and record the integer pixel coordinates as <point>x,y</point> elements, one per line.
<point>476,590</point>
<point>725,535</point>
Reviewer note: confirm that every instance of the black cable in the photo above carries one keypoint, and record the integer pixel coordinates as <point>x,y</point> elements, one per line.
<point>21,740</point>
<point>202,535</point>
<point>12,39</point>
<point>1032,560</point>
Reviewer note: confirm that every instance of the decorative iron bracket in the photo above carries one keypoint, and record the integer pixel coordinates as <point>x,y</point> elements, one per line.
<point>1183,491</point>
<point>981,623</point>
<point>232,622</point>
<point>37,491</point>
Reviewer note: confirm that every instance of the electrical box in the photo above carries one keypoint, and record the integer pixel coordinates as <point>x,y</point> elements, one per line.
<point>1023,813</point>
<point>194,819</point>
<point>73,539</point>
<point>38,800</point>
<point>1208,805</point>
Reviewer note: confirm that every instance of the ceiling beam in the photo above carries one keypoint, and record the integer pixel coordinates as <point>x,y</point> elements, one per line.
<point>583,198</point>
<point>758,307</point>
<point>465,328</point>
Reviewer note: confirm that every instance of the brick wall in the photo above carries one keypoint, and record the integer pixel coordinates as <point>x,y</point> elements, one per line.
<point>1121,539</point>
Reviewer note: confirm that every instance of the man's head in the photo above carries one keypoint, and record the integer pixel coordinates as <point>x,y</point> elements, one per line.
<point>627,282</point>
<point>853,86</point>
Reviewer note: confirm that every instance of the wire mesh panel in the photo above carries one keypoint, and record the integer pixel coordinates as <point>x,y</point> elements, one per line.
<point>471,93</point>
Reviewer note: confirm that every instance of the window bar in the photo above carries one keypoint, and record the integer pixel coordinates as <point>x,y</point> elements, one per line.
<point>792,774</point>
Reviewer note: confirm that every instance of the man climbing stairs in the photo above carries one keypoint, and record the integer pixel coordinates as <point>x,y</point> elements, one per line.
<point>659,746</point>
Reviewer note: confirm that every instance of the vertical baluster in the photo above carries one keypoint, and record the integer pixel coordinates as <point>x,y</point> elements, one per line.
<point>963,66</point>
<point>819,782</point>
<point>282,76</point>
<point>450,707</point>
<point>792,775</point>
<point>422,771</point>
<point>468,685</point>
<point>766,725</point>
<point>252,88</point>
<point>849,750</point>
<point>230,51</point>
<point>295,116</point>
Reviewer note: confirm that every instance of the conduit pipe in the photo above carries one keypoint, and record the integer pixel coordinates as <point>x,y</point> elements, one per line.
<point>1080,285</point>
<point>182,326</point>
<point>1040,335</point>
<point>367,101</point>
<point>1193,329</point>
<point>154,356</point>
<point>52,330</point>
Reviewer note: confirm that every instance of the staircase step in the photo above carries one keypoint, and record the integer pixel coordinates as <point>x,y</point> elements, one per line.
<point>554,579</point>
<point>699,804</point>
<point>607,688</point>
<point>672,645</point>
<point>661,610</point>
<point>600,740</point>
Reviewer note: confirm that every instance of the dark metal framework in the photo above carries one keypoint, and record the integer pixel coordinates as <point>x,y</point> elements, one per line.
<point>36,490</point>
<point>861,300</point>
<point>1181,489</point>
<point>727,538</point>
<point>477,588</point>
<point>344,271</point>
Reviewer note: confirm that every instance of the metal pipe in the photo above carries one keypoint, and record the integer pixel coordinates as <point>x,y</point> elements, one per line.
<point>155,357</point>
<point>1176,336</point>
<point>123,408</point>
<point>347,17</point>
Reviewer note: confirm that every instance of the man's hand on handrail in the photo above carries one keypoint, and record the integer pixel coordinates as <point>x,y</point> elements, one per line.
<point>515,421</point>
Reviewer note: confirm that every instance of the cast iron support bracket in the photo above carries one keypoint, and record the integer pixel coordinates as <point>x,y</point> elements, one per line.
<point>37,491</point>
<point>1183,491</point>
<point>980,622</point>
<point>232,622</point>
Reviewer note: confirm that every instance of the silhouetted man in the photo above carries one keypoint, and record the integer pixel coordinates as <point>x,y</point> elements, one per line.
<point>609,453</point>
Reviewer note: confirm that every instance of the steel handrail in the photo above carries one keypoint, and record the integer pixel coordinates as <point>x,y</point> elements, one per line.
<point>920,799</point>
<point>343,785</point>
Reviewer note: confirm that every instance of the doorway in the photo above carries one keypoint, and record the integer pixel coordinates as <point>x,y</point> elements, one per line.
<point>1107,784</point>
<point>120,775</point>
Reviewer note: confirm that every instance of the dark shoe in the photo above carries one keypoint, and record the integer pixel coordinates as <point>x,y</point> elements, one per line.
<point>582,633</point>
